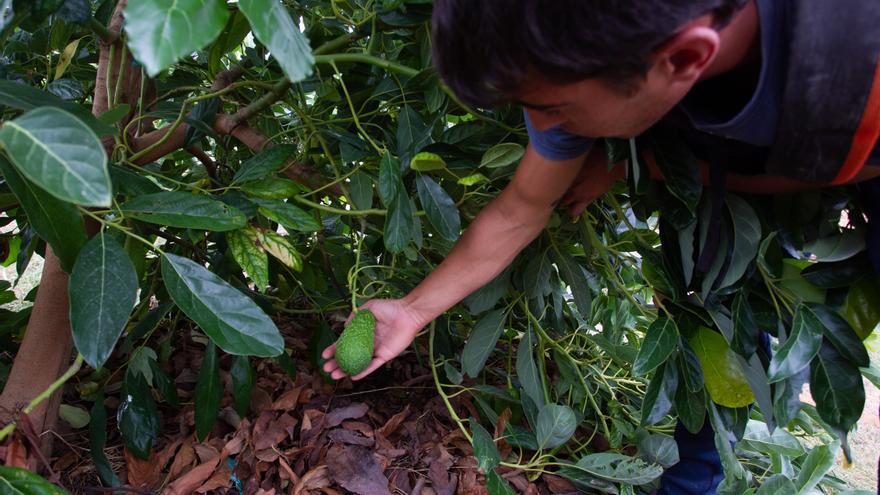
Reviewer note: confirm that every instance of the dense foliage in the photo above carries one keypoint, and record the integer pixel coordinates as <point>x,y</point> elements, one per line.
<point>301,157</point>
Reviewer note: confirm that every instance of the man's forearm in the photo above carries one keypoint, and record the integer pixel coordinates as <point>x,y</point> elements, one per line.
<point>491,242</point>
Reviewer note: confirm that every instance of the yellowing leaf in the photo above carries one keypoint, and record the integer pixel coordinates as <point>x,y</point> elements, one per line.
<point>279,247</point>
<point>725,379</point>
<point>66,56</point>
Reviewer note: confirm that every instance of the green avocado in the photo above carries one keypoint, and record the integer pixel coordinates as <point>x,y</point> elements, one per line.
<point>354,349</point>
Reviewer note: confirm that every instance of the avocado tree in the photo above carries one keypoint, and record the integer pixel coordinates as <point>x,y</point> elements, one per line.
<point>194,168</point>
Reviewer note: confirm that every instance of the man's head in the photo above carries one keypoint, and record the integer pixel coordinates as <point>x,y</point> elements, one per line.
<point>601,68</point>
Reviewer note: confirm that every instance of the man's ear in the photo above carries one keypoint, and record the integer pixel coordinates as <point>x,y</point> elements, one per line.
<point>685,56</point>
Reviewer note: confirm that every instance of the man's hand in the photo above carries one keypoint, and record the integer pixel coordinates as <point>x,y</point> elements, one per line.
<point>593,180</point>
<point>396,328</point>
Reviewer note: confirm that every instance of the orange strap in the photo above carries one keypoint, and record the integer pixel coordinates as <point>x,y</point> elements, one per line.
<point>866,136</point>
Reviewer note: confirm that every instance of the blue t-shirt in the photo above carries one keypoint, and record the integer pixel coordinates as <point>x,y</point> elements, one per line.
<point>755,123</point>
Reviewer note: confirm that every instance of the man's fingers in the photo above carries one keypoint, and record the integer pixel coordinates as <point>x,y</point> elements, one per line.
<point>577,208</point>
<point>337,374</point>
<point>373,366</point>
<point>329,351</point>
<point>330,365</point>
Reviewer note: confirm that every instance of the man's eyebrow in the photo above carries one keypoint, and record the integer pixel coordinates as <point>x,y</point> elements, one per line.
<point>535,106</point>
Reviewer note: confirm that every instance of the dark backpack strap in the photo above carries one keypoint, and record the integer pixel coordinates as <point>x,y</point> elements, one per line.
<point>831,104</point>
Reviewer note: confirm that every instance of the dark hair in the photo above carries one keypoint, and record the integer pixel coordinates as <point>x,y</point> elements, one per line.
<point>485,49</point>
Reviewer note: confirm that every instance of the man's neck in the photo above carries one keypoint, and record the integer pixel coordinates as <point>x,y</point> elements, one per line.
<point>740,43</point>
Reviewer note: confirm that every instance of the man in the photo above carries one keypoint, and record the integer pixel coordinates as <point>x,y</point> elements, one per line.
<point>739,72</point>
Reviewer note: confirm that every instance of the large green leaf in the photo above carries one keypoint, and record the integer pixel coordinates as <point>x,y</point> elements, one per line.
<point>412,133</point>
<point>573,274</point>
<point>837,274</point>
<point>59,153</point>
<point>209,391</point>
<point>815,466</point>
<point>274,27</point>
<point>841,335</point>
<point>243,383</point>
<point>400,223</point>
<point>389,179</point>
<point>485,450</point>
<point>231,319</point>
<point>757,439</point>
<point>800,347</point>
<point>617,468</point>
<point>24,97</point>
<point>185,210</point>
<point>441,209</point>
<point>98,440</point>
<point>497,485</point>
<point>725,379</point>
<point>691,408</point>
<point>837,247</point>
<point>745,330</point>
<point>778,484</point>
<point>556,424</point>
<point>836,386</point>
<point>660,395</point>
<point>57,222</point>
<point>502,155</point>
<point>660,342</point>
<point>103,288</point>
<point>681,172</point>
<point>264,163</point>
<point>17,481</point>
<point>746,237</point>
<point>862,306</point>
<point>526,369</point>
<point>249,256</point>
<point>137,417</point>
<point>161,31</point>
<point>291,217</point>
<point>482,342</point>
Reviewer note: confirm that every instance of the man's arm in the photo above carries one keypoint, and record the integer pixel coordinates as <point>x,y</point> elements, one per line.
<point>501,230</point>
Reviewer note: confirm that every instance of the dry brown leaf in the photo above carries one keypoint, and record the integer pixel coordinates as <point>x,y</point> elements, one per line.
<point>315,479</point>
<point>286,472</point>
<point>356,470</point>
<point>360,426</point>
<point>187,484</point>
<point>341,435</point>
<point>442,480</point>
<point>288,400</point>
<point>143,473</point>
<point>394,422</point>
<point>269,431</point>
<point>185,457</point>
<point>220,479</point>
<point>16,453</point>
<point>558,484</point>
<point>352,411</point>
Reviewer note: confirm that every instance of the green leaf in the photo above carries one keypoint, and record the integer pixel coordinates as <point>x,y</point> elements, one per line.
<point>472,179</point>
<point>736,478</point>
<point>745,330</point>
<point>617,468</point>
<point>272,188</point>
<point>441,209</point>
<point>757,439</point>
<point>778,484</point>
<point>574,275</point>
<point>838,274</point>
<point>264,163</point>
<point>58,223</point>
<point>815,467</point>
<point>231,319</point>
<point>209,391</point>
<point>389,179</point>
<point>800,347</point>
<point>98,440</point>
<point>862,306</point>
<point>691,408</point>
<point>487,296</point>
<point>681,172</point>
<point>426,162</point>
<point>793,281</point>
<point>496,485</point>
<point>103,288</point>
<point>274,27</point>
<point>660,342</point>
<point>137,416</point>
<point>399,223</point>
<point>725,380</point>
<point>841,335</point>
<point>556,425</point>
<point>15,481</point>
<point>291,217</point>
<point>412,133</point>
<point>787,397</point>
<point>836,386</point>
<point>527,370</point>
<point>249,256</point>
<point>756,377</point>
<point>161,31</point>
<point>59,153</point>
<point>185,210</point>
<point>660,394</point>
<point>141,362</point>
<point>689,367</point>
<point>746,238</point>
<point>360,188</point>
<point>130,183</point>
<point>76,417</point>
<point>837,247</point>
<point>115,114</point>
<point>482,342</point>
<point>165,385</point>
<point>279,247</point>
<point>536,276</point>
<point>657,448</point>
<point>23,97</point>
<point>242,384</point>
<point>502,155</point>
<point>485,450</point>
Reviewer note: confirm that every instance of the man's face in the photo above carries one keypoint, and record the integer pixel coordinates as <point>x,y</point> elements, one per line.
<point>592,108</point>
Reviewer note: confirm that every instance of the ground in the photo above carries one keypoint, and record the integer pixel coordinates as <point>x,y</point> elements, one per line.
<point>306,435</point>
